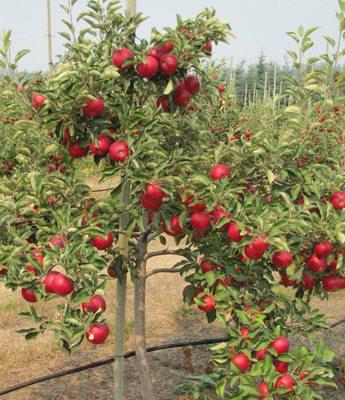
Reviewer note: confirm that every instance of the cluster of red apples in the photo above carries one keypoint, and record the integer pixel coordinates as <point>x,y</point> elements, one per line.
<point>59,284</point>
<point>159,60</point>
<point>279,346</point>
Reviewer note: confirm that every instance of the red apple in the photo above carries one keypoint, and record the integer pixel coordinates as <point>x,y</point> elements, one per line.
<point>261,354</point>
<point>196,206</point>
<point>62,285</point>
<point>324,249</point>
<point>206,266</point>
<point>48,281</point>
<point>316,265</point>
<point>93,108</point>
<point>342,282</point>
<point>77,151</point>
<point>168,47</point>
<point>175,228</point>
<point>102,243</point>
<point>3,271</point>
<point>164,102</point>
<point>111,271</point>
<point>154,191</point>
<point>281,366</point>
<point>261,244</point>
<point>241,361</point>
<point>253,252</point>
<point>233,233</point>
<point>181,96</point>
<point>95,304</point>
<point>192,84</point>
<point>29,295</point>
<point>263,389</point>
<point>219,213</point>
<point>201,221</point>
<point>150,204</point>
<point>281,345</point>
<point>210,304</point>
<point>244,333</point>
<point>332,266</point>
<point>148,68</point>
<point>219,171</point>
<point>119,151</point>
<point>285,381</point>
<point>37,100</point>
<point>97,333</point>
<point>66,137</point>
<point>120,56</point>
<point>58,241</point>
<point>207,47</point>
<point>168,64</point>
<point>101,147</point>
<point>286,281</point>
<point>338,200</point>
<point>157,53</point>
<point>308,281</point>
<point>282,259</point>
<point>38,256</point>
<point>331,283</point>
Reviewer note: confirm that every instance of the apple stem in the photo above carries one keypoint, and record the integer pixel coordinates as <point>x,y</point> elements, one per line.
<point>139,324</point>
<point>121,289</point>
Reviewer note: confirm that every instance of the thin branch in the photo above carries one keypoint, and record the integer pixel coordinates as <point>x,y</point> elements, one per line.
<point>160,253</point>
<point>152,236</point>
<point>164,270</point>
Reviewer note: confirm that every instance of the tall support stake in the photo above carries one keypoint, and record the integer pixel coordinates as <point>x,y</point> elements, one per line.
<point>280,92</point>
<point>139,321</point>
<point>121,288</point>
<point>120,306</point>
<point>254,92</point>
<point>275,80</point>
<point>231,64</point>
<point>131,7</point>
<point>245,96</point>
<point>49,34</point>
<point>265,86</point>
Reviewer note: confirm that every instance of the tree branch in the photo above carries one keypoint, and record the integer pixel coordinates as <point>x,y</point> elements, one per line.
<point>152,236</point>
<point>164,270</point>
<point>160,253</point>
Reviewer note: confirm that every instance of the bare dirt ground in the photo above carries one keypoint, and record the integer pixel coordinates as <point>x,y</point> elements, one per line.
<point>168,321</point>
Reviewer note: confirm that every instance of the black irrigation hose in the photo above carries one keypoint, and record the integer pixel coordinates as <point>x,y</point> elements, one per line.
<point>129,354</point>
<point>102,190</point>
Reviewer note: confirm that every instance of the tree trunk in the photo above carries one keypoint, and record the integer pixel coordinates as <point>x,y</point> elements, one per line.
<point>139,327</point>
<point>120,306</point>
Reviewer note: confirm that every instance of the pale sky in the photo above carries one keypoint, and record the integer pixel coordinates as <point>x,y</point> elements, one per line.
<point>259,24</point>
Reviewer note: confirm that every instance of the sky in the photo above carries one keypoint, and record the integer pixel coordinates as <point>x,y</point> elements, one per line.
<point>260,25</point>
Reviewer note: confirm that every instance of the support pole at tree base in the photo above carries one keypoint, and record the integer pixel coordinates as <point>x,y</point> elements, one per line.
<point>139,326</point>
<point>121,289</point>
<point>120,306</point>
<point>49,34</point>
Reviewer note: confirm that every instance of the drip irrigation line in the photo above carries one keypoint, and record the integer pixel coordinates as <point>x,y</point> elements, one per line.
<point>109,360</point>
<point>129,354</point>
<point>102,190</point>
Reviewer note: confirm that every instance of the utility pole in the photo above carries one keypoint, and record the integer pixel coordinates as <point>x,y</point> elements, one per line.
<point>131,7</point>
<point>49,26</point>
